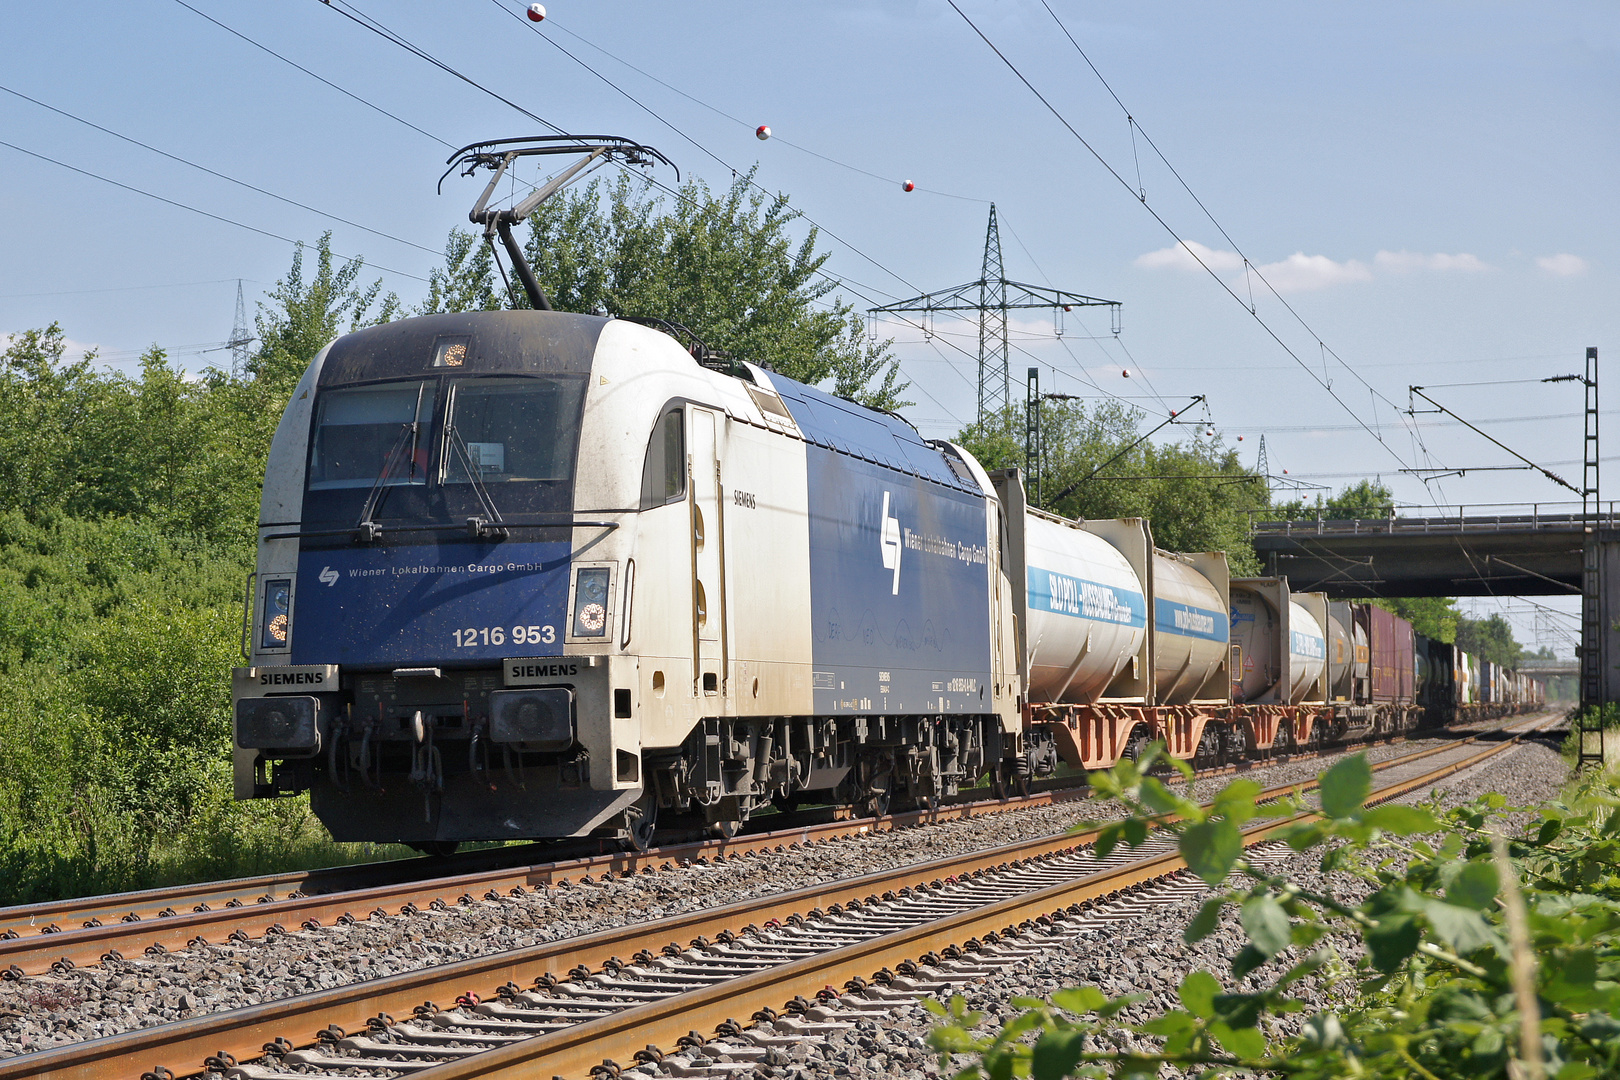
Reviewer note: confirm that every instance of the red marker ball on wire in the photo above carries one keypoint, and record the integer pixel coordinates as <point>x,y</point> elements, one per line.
<point>762,132</point>
<point>537,12</point>
<point>908,186</point>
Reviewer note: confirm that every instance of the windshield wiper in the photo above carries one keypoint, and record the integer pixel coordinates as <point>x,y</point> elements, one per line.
<point>489,523</point>
<point>367,529</point>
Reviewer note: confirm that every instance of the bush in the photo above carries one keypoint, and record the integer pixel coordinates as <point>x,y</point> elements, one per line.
<point>1482,956</point>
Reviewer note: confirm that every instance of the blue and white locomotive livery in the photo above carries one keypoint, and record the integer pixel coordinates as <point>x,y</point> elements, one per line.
<point>532,573</point>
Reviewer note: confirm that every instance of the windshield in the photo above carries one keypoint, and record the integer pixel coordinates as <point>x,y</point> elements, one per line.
<point>359,431</point>
<point>505,430</point>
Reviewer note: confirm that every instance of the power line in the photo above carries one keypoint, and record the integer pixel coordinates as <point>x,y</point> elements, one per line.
<point>346,93</point>
<point>123,288</point>
<point>360,18</point>
<point>667,123</point>
<point>1247,264</point>
<point>215,172</point>
<point>775,137</point>
<point>193,209</point>
<point>1177,237</point>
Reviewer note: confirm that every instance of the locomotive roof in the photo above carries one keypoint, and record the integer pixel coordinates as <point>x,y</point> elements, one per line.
<point>847,428</point>
<point>506,342</point>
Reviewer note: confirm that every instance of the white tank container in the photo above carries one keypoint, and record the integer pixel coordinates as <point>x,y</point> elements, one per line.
<point>1191,624</point>
<point>1342,651</point>
<point>1307,649</point>
<point>1255,630</point>
<point>1087,612</point>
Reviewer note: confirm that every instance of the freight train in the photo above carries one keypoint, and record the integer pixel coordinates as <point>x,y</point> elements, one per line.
<point>539,574</point>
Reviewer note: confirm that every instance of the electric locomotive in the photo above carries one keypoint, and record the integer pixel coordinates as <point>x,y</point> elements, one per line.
<point>532,573</point>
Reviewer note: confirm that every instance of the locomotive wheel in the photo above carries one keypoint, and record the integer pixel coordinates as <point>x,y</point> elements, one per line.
<point>642,828</point>
<point>1021,785</point>
<point>785,804</point>
<point>436,848</point>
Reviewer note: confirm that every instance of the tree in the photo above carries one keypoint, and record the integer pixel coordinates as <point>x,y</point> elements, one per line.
<point>300,320</point>
<point>1432,616</point>
<point>727,267</point>
<point>1491,639</point>
<point>1197,495</point>
<point>1362,501</point>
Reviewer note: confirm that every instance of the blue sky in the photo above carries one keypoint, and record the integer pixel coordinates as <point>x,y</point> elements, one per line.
<point>1430,187</point>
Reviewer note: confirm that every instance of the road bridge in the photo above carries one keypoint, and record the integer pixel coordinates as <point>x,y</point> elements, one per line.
<point>1526,552</point>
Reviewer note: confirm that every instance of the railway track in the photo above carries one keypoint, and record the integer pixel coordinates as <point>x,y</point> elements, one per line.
<point>563,1006</point>
<point>58,937</point>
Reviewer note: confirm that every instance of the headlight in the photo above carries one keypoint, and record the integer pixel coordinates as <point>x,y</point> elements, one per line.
<point>273,617</point>
<point>590,602</point>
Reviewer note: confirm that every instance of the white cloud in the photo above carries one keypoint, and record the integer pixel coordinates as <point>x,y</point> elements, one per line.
<point>1563,265</point>
<point>1402,262</point>
<point>1180,257</point>
<point>1301,272</point>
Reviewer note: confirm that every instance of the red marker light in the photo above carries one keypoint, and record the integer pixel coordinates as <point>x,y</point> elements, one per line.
<point>762,132</point>
<point>537,12</point>
<point>908,186</point>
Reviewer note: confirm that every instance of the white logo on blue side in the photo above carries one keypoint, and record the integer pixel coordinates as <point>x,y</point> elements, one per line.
<point>328,576</point>
<point>889,542</point>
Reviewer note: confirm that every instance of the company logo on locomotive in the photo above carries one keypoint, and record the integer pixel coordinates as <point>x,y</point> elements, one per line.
<point>889,541</point>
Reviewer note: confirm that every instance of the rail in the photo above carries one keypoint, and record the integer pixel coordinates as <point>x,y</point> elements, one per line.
<point>61,935</point>
<point>621,1028</point>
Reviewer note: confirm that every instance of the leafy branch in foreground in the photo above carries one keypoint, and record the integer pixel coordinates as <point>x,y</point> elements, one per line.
<point>1461,945</point>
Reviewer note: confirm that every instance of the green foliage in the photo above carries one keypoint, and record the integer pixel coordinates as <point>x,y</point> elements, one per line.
<point>116,643</point>
<point>1434,617</point>
<point>1464,931</point>
<point>127,514</point>
<point>1196,494</point>
<point>726,266</point>
<point>301,318</point>
<point>1364,500</point>
<point>1490,638</point>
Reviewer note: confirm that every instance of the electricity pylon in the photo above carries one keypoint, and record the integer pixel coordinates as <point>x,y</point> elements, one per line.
<point>992,296</point>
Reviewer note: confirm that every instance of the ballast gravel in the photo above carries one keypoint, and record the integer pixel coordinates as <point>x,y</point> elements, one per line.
<point>1140,955</point>
<point>92,1002</point>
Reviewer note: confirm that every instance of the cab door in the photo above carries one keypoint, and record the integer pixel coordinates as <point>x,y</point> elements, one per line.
<point>708,556</point>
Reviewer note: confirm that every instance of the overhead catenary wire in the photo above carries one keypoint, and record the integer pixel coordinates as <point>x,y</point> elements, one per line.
<point>1171,230</point>
<point>552,22</point>
<point>360,18</point>
<point>216,173</point>
<point>1248,264</point>
<point>319,78</point>
<point>196,210</point>
<point>672,126</point>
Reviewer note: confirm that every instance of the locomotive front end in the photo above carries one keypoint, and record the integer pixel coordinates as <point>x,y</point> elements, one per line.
<point>431,620</point>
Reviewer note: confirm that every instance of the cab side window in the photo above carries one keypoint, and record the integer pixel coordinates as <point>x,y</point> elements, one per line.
<point>663,476</point>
